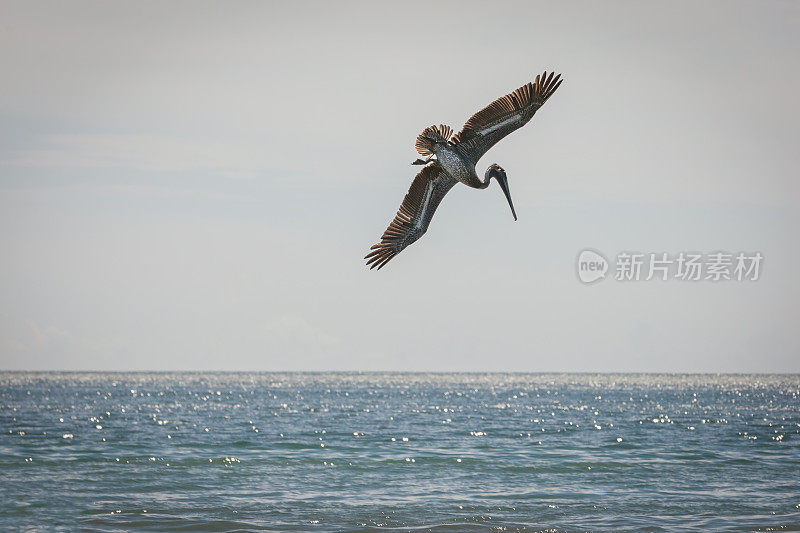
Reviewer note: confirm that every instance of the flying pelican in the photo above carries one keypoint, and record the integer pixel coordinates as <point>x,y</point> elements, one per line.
<point>452,159</point>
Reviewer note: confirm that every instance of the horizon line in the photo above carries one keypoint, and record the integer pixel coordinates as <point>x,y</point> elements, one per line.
<point>20,371</point>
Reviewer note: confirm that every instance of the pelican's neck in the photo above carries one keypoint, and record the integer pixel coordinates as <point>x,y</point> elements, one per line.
<point>486,179</point>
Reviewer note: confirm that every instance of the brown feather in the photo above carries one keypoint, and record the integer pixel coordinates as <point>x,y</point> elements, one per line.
<point>430,136</point>
<point>414,215</point>
<point>506,114</point>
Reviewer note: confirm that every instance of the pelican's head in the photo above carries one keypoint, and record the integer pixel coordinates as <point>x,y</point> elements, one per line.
<point>496,171</point>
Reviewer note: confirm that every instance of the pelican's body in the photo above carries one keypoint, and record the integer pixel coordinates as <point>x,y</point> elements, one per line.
<point>457,165</point>
<point>452,159</point>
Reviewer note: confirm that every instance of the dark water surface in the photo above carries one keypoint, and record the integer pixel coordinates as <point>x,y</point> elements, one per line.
<point>207,451</point>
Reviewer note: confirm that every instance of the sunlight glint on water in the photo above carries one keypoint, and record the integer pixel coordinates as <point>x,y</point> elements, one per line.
<point>352,451</point>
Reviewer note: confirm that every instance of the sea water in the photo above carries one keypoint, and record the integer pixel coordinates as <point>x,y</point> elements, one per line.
<point>365,451</point>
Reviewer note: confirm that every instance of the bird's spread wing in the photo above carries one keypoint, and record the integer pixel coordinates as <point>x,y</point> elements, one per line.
<point>486,127</point>
<point>414,215</point>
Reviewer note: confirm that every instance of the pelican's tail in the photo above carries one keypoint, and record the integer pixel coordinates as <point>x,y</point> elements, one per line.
<point>431,136</point>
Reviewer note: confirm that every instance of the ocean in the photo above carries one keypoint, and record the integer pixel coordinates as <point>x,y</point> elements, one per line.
<point>415,451</point>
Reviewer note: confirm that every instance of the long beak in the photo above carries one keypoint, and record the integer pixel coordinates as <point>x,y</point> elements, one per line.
<point>503,181</point>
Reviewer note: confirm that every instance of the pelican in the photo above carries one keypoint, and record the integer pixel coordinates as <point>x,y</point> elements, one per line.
<point>450,159</point>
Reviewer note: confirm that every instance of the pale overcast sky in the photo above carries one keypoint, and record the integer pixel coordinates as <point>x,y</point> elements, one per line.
<point>192,185</point>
